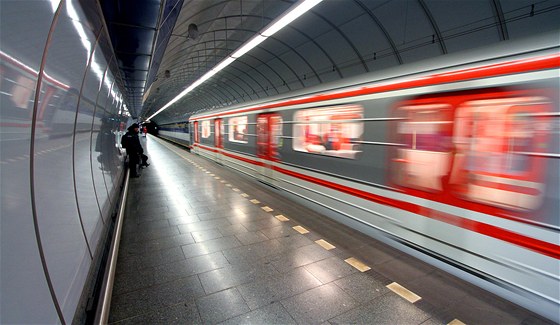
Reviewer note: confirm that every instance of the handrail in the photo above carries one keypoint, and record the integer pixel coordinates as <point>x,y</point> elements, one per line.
<point>102,314</point>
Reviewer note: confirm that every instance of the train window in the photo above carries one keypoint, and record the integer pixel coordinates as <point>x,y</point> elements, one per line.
<point>237,129</point>
<point>331,131</point>
<point>425,155</point>
<point>497,144</point>
<point>205,125</point>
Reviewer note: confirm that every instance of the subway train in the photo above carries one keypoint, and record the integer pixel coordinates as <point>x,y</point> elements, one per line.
<point>454,160</point>
<point>177,132</point>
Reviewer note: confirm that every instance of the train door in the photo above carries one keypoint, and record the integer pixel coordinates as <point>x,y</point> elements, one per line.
<point>499,143</point>
<point>269,135</point>
<point>218,139</point>
<point>425,155</point>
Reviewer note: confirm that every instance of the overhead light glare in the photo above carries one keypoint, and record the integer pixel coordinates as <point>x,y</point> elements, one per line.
<point>258,39</point>
<point>286,19</point>
<point>227,61</point>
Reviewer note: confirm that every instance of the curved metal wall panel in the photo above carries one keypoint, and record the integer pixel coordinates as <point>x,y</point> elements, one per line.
<point>61,225</point>
<point>102,138</point>
<point>59,176</point>
<point>23,286</point>
<point>85,123</point>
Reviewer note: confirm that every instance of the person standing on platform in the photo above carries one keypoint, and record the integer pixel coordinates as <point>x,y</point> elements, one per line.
<point>134,150</point>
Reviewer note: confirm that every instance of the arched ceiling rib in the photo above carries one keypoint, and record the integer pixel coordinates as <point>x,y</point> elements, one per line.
<point>335,40</point>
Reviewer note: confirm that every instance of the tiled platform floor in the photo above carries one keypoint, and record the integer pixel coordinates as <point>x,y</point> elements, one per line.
<point>197,250</point>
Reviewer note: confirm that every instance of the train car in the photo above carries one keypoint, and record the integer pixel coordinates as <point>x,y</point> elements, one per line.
<point>454,160</point>
<point>177,132</point>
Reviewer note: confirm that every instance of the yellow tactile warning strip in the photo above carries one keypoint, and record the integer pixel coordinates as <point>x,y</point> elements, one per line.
<point>255,201</point>
<point>325,244</point>
<point>300,229</point>
<point>359,265</point>
<point>456,322</point>
<point>267,208</point>
<point>281,217</point>
<point>404,292</point>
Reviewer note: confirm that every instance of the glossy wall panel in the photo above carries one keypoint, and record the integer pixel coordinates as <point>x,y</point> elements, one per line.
<point>59,177</point>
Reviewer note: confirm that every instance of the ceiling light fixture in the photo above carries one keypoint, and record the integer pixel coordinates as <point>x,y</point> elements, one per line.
<point>297,10</point>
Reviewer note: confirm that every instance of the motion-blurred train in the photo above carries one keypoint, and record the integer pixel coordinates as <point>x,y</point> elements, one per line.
<point>455,160</point>
<point>176,132</point>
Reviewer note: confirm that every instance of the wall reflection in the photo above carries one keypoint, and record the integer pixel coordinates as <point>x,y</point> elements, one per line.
<point>60,163</point>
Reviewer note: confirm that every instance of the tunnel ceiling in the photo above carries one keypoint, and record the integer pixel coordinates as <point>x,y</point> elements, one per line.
<point>335,40</point>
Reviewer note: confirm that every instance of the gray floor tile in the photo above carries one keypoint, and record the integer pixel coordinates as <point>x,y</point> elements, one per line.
<point>248,238</point>
<point>330,269</point>
<point>203,225</point>
<point>159,257</point>
<point>319,304</point>
<point>234,275</point>
<point>182,290</point>
<point>132,281</point>
<point>387,309</point>
<point>362,287</point>
<point>181,220</point>
<point>133,303</point>
<point>299,257</point>
<point>271,314</point>
<point>210,246</point>
<point>253,253</point>
<point>278,287</point>
<point>182,313</point>
<point>188,267</point>
<point>278,231</point>
<point>168,242</point>
<point>204,235</point>
<point>232,229</point>
<point>222,305</point>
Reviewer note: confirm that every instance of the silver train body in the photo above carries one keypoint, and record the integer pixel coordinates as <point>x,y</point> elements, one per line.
<point>176,132</point>
<point>454,160</point>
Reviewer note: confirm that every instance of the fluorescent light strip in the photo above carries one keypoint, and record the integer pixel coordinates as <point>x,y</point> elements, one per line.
<point>298,10</point>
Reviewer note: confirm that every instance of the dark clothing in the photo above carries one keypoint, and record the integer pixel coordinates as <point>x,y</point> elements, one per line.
<point>131,143</point>
<point>144,160</point>
<point>134,150</point>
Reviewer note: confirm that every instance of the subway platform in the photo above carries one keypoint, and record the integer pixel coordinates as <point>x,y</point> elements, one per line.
<point>202,244</point>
